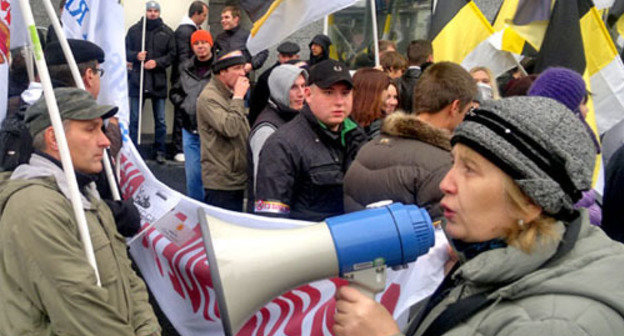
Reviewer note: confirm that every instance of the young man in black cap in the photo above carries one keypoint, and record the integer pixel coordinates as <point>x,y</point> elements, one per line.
<point>302,165</point>
<point>223,131</point>
<point>287,51</point>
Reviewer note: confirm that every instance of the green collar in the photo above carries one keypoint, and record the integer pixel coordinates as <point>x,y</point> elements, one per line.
<point>347,126</point>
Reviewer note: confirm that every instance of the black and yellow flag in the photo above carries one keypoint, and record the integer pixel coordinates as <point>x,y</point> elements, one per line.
<point>457,28</point>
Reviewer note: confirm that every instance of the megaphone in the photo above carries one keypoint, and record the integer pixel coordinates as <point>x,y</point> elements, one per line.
<point>250,267</point>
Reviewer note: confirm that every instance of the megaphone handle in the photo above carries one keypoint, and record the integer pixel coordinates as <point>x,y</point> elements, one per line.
<point>369,281</point>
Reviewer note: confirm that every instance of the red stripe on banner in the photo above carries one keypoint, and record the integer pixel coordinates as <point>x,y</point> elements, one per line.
<point>265,320</point>
<point>284,309</point>
<point>249,327</point>
<point>390,298</point>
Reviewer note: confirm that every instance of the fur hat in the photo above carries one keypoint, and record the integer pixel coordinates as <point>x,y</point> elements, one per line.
<point>537,142</point>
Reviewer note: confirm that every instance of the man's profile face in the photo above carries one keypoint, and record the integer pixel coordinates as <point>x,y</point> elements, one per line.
<point>152,14</point>
<point>230,75</point>
<point>316,49</point>
<point>228,21</point>
<point>331,105</point>
<point>201,49</point>
<point>199,18</point>
<point>86,143</point>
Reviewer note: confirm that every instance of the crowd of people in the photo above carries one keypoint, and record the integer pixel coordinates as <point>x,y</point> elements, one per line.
<point>505,162</point>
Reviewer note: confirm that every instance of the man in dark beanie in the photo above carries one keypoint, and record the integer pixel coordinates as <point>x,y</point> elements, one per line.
<point>157,57</point>
<point>89,57</point>
<point>223,131</point>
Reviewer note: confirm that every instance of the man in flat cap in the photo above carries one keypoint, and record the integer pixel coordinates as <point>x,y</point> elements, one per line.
<point>287,51</point>
<point>158,55</point>
<point>302,165</point>
<point>223,132</point>
<point>47,286</point>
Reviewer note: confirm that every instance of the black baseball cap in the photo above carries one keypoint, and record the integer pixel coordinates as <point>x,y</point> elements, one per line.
<point>329,72</point>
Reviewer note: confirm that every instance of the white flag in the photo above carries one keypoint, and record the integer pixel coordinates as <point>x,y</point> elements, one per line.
<point>274,20</point>
<point>102,22</point>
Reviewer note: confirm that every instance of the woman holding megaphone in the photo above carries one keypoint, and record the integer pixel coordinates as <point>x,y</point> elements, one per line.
<point>529,264</point>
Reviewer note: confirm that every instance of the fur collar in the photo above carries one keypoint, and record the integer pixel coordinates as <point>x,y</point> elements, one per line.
<point>409,126</point>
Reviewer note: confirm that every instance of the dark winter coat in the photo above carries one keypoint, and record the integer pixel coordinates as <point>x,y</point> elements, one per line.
<point>405,164</point>
<point>160,46</point>
<point>324,41</point>
<point>406,88</point>
<point>236,39</point>
<point>186,90</point>
<point>183,48</point>
<point>612,207</point>
<point>302,166</point>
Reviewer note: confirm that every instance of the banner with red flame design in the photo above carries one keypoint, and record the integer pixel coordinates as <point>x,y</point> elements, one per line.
<point>178,272</point>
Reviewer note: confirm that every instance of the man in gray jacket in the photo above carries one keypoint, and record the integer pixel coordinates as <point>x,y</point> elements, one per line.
<point>408,161</point>
<point>223,131</point>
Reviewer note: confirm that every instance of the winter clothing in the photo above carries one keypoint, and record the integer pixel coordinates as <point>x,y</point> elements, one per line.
<point>202,35</point>
<point>227,59</point>
<point>324,41</point>
<point>588,201</point>
<point>260,94</point>
<point>236,39</point>
<point>406,87</point>
<point>152,5</point>
<point>561,84</point>
<point>613,199</point>
<point>282,79</point>
<point>547,152</point>
<point>194,75</point>
<point>546,292</point>
<point>82,50</point>
<point>160,46</point>
<point>183,44</point>
<point>73,104</point>
<point>47,286</point>
<point>405,164</point>
<point>301,168</point>
<point>612,140</point>
<point>329,72</point>
<point>223,130</point>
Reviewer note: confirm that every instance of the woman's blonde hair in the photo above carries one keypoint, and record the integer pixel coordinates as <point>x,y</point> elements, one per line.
<point>525,236</point>
<point>493,84</point>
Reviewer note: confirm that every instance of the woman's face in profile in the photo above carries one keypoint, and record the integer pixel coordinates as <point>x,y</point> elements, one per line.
<point>475,203</point>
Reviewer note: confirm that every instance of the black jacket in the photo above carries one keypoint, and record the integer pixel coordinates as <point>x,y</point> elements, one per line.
<point>406,88</point>
<point>613,201</point>
<point>302,167</point>
<point>183,49</point>
<point>236,39</point>
<point>186,90</point>
<point>160,46</point>
<point>325,42</point>
<point>260,94</point>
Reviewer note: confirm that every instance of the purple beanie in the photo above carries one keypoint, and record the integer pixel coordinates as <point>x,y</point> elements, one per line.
<point>563,85</point>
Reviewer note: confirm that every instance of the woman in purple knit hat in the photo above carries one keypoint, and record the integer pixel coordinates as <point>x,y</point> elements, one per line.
<point>568,87</point>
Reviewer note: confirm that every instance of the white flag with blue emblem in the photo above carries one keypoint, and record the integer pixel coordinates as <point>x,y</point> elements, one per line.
<point>102,22</point>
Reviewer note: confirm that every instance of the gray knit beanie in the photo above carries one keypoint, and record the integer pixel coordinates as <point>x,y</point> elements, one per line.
<point>282,79</point>
<point>539,143</point>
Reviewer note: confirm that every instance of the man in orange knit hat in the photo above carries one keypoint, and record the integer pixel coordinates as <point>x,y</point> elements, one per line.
<point>194,75</point>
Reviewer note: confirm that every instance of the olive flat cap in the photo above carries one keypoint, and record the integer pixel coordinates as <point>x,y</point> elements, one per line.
<point>73,104</point>
<point>83,51</point>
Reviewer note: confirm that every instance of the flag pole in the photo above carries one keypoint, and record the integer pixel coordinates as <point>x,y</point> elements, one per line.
<point>375,32</point>
<point>142,73</point>
<point>59,133</point>
<point>73,67</point>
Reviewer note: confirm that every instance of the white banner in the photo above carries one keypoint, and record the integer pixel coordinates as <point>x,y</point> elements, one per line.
<point>102,22</point>
<point>179,275</point>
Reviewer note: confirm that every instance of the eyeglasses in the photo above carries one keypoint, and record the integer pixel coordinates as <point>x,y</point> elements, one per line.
<point>100,71</point>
